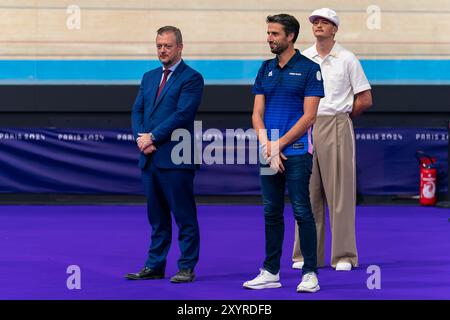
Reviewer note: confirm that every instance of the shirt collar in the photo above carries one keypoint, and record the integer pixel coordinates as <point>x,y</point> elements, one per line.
<point>334,51</point>
<point>291,61</point>
<point>172,68</point>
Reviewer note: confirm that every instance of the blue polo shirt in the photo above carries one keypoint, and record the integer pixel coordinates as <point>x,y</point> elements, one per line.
<point>284,90</point>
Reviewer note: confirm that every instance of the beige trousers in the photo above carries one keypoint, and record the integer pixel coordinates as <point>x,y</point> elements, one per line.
<point>333,183</point>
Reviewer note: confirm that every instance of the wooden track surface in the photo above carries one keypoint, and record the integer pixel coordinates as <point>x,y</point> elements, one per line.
<point>231,29</point>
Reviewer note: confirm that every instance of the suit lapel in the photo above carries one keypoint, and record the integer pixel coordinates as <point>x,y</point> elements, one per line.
<point>169,83</point>
<point>154,87</point>
<point>173,78</point>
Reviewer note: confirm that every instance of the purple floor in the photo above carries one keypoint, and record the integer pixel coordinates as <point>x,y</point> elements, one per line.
<point>411,245</point>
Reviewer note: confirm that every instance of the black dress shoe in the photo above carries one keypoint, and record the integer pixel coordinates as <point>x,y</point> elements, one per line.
<point>184,275</point>
<point>146,274</point>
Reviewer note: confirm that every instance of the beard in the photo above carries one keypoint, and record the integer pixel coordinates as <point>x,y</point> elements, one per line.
<point>166,62</point>
<point>170,59</point>
<point>279,48</point>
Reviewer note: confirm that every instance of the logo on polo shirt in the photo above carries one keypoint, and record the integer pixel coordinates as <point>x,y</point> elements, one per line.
<point>270,74</point>
<point>294,74</point>
<point>319,76</point>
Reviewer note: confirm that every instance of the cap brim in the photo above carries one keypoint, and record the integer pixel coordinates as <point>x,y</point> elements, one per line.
<point>314,17</point>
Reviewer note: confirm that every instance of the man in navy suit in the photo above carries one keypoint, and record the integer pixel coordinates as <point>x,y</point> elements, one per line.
<point>167,101</point>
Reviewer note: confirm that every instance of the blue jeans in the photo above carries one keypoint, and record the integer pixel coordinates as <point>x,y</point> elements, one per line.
<point>296,175</point>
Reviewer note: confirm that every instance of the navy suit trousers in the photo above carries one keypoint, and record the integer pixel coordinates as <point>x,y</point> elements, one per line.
<point>171,190</point>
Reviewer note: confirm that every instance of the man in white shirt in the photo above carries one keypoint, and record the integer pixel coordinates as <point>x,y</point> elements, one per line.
<point>333,179</point>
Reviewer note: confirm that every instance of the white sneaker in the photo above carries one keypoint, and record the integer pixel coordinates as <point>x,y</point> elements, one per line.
<point>309,283</point>
<point>264,280</point>
<point>298,265</point>
<point>343,266</point>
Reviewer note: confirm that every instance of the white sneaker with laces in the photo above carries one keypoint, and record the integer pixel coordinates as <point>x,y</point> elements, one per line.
<point>309,283</point>
<point>298,265</point>
<point>265,280</point>
<point>343,266</point>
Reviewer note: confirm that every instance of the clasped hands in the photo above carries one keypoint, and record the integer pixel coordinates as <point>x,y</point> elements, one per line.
<point>270,150</point>
<point>145,143</point>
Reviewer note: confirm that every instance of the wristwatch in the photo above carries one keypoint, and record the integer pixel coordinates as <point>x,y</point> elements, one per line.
<point>152,136</point>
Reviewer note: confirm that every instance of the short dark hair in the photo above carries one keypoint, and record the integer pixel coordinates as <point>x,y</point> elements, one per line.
<point>175,30</point>
<point>289,23</point>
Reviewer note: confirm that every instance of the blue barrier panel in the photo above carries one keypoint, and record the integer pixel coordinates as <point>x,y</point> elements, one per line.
<point>79,161</point>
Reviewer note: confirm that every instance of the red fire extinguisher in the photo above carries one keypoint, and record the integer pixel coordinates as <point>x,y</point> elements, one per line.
<point>428,175</point>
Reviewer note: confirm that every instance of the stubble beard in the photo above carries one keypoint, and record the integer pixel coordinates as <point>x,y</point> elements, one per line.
<point>279,49</point>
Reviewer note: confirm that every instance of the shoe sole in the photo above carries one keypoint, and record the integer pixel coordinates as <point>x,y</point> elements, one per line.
<point>177,281</point>
<point>297,267</point>
<point>272,285</point>
<point>343,269</point>
<point>312,290</point>
<point>147,278</point>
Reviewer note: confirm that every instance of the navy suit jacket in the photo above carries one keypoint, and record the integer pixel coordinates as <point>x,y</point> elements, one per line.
<point>175,108</point>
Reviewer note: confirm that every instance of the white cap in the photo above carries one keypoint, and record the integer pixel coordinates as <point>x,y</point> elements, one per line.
<point>325,13</point>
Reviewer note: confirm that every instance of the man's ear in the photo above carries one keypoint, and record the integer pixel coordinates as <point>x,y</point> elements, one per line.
<point>335,28</point>
<point>291,36</point>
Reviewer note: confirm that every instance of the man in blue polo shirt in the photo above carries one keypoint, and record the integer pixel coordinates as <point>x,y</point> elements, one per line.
<point>287,92</point>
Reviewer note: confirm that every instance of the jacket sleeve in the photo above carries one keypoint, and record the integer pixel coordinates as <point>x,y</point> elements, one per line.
<point>137,112</point>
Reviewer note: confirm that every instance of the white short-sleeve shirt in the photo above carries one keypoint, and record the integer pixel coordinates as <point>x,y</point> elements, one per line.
<point>343,77</point>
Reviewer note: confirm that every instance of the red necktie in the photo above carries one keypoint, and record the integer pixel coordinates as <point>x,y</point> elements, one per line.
<point>163,82</point>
